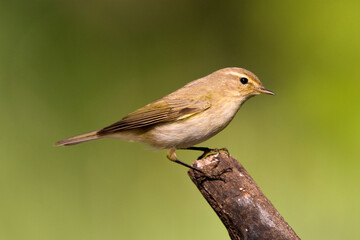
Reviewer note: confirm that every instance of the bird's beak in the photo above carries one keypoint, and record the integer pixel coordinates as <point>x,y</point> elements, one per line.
<point>263,90</point>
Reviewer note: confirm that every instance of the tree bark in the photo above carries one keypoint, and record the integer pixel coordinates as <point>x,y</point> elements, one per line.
<point>238,201</point>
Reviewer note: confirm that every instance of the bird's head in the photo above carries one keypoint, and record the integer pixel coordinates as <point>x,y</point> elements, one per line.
<point>241,82</point>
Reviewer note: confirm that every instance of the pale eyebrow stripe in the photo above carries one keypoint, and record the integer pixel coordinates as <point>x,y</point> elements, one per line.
<point>235,74</point>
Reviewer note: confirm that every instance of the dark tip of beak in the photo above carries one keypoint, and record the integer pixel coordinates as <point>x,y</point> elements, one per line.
<point>263,90</point>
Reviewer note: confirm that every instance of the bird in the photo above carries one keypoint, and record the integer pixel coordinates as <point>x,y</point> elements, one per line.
<point>186,117</point>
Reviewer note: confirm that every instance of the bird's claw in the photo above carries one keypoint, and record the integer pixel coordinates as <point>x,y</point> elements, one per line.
<point>210,152</point>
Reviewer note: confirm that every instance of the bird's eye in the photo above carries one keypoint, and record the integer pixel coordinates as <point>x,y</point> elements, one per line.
<point>244,80</point>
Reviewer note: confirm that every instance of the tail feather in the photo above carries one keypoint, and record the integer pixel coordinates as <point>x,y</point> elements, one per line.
<point>79,139</point>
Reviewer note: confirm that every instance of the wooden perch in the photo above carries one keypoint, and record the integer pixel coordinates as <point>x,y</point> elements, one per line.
<point>238,201</point>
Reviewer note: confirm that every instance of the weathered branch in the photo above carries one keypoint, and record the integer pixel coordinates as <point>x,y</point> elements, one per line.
<point>238,201</point>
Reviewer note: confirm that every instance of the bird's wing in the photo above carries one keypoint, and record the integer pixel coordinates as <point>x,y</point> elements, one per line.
<point>159,111</point>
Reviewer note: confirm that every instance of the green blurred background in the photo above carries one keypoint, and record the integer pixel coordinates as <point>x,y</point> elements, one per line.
<point>67,67</point>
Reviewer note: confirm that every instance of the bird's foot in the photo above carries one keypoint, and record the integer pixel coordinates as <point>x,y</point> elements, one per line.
<point>213,152</point>
<point>209,167</point>
<point>207,151</point>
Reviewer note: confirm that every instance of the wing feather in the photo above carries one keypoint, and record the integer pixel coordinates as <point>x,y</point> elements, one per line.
<point>156,112</point>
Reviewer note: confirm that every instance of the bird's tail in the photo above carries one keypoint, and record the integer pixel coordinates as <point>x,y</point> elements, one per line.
<point>79,139</point>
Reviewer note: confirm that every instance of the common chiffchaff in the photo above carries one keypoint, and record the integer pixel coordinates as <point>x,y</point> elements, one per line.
<point>186,117</point>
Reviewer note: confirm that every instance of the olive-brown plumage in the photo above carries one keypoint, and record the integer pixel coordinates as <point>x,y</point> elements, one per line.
<point>186,117</point>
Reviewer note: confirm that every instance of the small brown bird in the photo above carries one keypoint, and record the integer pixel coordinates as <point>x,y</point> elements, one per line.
<point>186,117</point>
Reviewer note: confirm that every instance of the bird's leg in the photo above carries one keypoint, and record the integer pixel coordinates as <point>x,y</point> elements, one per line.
<point>203,149</point>
<point>206,151</point>
<point>171,155</point>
